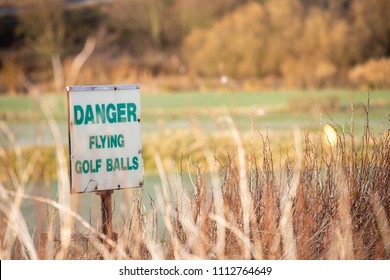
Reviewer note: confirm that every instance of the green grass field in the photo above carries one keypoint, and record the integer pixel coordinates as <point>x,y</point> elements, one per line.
<point>289,105</point>
<point>271,110</point>
<point>168,119</point>
<point>199,100</point>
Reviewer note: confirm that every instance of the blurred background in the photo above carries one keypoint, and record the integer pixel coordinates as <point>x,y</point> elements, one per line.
<point>270,65</point>
<point>173,45</point>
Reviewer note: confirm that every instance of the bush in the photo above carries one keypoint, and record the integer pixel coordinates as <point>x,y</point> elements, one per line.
<point>231,47</point>
<point>324,201</point>
<point>375,72</point>
<point>262,40</point>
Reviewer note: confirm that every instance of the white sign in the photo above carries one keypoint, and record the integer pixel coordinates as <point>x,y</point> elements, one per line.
<point>105,148</point>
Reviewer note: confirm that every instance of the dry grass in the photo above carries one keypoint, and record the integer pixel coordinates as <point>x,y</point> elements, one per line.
<point>322,200</point>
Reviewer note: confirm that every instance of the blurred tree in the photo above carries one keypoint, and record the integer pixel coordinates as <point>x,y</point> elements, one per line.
<point>339,7</point>
<point>251,41</point>
<point>184,16</point>
<point>233,46</point>
<point>43,27</point>
<point>154,10</point>
<point>162,23</point>
<point>284,30</point>
<point>276,38</point>
<point>79,25</point>
<point>372,24</point>
<point>305,42</point>
<point>314,48</point>
<point>136,24</point>
<point>333,5</point>
<point>8,34</point>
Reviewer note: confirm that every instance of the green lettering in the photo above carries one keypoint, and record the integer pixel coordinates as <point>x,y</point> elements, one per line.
<point>109,165</point>
<point>78,114</point>
<point>112,141</point>
<point>100,113</point>
<point>129,167</point>
<point>78,167</point>
<point>116,164</point>
<point>135,163</point>
<point>131,109</point>
<point>89,115</point>
<point>98,165</point>
<point>85,166</point>
<point>111,117</point>
<point>121,109</point>
<point>92,141</point>
<point>103,139</point>
<point>121,140</point>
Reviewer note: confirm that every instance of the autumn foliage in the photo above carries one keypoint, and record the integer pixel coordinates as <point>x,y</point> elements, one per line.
<point>296,43</point>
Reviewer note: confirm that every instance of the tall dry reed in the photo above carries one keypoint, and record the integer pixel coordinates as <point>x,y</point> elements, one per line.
<point>321,200</point>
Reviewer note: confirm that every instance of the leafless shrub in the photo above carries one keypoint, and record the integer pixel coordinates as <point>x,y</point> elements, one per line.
<point>328,198</point>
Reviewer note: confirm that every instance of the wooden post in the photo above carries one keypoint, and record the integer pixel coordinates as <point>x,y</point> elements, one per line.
<point>106,208</point>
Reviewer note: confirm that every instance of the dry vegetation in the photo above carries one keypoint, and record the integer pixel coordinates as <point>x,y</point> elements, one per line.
<point>327,198</point>
<point>175,45</point>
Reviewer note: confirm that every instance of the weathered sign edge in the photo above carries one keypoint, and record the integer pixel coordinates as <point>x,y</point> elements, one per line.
<point>94,88</point>
<point>103,87</point>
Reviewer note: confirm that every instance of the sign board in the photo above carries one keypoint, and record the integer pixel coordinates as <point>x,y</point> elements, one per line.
<point>105,149</point>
